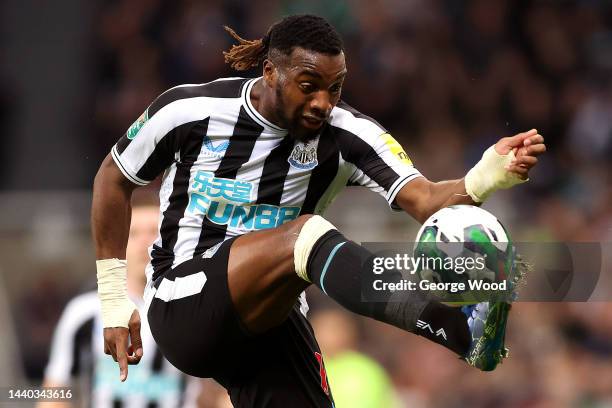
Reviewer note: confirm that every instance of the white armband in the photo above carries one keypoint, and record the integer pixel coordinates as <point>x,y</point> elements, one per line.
<point>490,175</point>
<point>117,308</point>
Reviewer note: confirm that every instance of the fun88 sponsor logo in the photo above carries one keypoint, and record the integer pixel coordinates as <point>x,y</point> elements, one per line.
<point>224,201</point>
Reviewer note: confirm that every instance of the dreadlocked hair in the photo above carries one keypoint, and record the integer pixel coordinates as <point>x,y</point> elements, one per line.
<point>306,31</point>
<point>247,54</point>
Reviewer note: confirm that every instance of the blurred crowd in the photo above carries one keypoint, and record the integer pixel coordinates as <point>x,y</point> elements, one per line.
<point>447,78</point>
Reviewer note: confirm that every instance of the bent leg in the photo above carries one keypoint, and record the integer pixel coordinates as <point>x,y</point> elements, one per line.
<point>264,283</point>
<point>261,275</point>
<point>335,266</point>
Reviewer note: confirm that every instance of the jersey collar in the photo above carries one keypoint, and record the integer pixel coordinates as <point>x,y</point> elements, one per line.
<point>252,112</point>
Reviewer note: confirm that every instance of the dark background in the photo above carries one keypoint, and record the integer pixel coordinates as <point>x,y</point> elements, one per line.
<point>446,77</point>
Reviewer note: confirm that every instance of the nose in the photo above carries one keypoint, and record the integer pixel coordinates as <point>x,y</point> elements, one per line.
<point>321,104</point>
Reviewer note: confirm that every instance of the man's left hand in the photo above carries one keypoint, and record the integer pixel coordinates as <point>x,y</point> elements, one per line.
<point>526,147</point>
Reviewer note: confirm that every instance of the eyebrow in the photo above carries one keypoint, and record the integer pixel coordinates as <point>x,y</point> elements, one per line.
<point>310,72</point>
<point>315,74</point>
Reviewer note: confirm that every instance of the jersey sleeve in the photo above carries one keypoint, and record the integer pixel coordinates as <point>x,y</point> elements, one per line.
<point>72,332</point>
<point>380,163</point>
<point>154,140</point>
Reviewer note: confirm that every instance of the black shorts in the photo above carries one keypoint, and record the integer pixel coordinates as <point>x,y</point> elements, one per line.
<point>201,334</point>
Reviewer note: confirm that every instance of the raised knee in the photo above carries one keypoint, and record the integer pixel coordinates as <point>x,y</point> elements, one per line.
<point>295,226</point>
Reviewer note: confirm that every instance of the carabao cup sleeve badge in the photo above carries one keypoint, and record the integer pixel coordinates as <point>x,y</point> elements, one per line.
<point>139,123</point>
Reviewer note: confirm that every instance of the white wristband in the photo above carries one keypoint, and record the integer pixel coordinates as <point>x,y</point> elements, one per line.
<point>117,308</point>
<point>490,175</point>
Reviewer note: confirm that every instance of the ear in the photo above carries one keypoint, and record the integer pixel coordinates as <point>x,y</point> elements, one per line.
<point>270,73</point>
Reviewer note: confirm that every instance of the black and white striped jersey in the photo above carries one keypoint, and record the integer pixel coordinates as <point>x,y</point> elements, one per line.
<point>228,170</point>
<point>77,359</point>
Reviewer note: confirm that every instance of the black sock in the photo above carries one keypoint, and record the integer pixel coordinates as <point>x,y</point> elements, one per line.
<point>335,266</point>
<point>445,325</point>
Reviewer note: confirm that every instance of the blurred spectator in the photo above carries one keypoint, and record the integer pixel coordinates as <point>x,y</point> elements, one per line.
<point>77,358</point>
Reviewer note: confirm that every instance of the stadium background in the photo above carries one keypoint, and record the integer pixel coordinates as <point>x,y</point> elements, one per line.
<point>446,77</point>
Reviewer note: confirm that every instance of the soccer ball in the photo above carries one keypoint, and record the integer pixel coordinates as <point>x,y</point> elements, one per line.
<point>463,243</point>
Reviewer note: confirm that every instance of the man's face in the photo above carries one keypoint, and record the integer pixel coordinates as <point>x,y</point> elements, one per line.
<point>307,86</point>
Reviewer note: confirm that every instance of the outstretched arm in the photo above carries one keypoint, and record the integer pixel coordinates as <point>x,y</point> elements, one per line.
<point>503,166</point>
<point>110,220</point>
<point>421,197</point>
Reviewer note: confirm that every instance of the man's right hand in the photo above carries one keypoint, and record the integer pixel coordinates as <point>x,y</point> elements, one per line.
<point>116,344</point>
